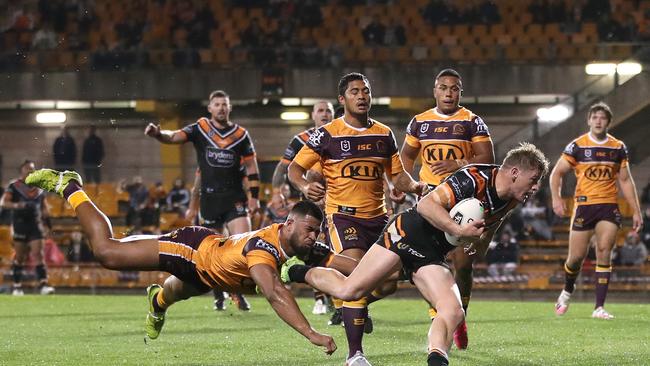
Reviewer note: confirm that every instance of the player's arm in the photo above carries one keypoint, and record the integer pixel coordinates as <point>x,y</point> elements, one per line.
<point>483,154</point>
<point>408,154</point>
<point>165,136</point>
<point>555,181</point>
<point>284,304</point>
<point>434,208</point>
<point>297,175</point>
<point>279,176</point>
<point>628,188</point>
<point>195,197</point>
<point>5,202</point>
<point>404,182</point>
<point>253,175</point>
<point>45,218</point>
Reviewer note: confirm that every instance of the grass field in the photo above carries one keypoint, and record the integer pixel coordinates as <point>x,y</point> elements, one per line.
<point>107,330</point>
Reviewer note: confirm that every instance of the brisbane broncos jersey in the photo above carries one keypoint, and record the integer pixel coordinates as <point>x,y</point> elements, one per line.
<point>353,161</point>
<point>220,153</point>
<point>596,165</point>
<point>477,181</point>
<point>32,197</point>
<point>444,137</point>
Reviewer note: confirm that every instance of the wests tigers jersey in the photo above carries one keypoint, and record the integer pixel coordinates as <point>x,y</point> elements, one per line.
<point>220,153</point>
<point>296,144</point>
<point>32,197</point>
<point>444,137</point>
<point>597,165</point>
<point>477,181</point>
<point>353,161</point>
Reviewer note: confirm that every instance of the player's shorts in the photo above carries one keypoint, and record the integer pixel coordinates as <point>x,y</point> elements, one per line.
<point>219,209</point>
<point>346,232</point>
<point>585,217</point>
<point>26,232</point>
<point>176,250</point>
<point>416,249</point>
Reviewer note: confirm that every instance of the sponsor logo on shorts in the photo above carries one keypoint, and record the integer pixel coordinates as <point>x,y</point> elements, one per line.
<point>578,222</point>
<point>219,158</point>
<point>350,233</point>
<point>347,210</point>
<point>405,247</point>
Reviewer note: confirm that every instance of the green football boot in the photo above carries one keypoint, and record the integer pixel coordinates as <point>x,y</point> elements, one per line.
<point>284,271</point>
<point>51,180</point>
<point>155,321</point>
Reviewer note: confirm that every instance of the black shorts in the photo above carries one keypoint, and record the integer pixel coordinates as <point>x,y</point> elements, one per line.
<point>219,209</point>
<point>175,258</point>
<point>417,243</point>
<point>26,232</point>
<point>585,217</point>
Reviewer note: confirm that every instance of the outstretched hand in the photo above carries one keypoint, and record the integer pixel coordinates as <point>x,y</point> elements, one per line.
<point>323,340</point>
<point>152,130</point>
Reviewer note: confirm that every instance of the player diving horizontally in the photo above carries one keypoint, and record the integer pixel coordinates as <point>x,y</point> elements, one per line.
<point>415,241</point>
<point>199,260</point>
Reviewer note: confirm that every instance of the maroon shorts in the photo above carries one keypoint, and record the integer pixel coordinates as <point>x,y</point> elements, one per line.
<point>587,216</point>
<point>176,251</point>
<point>345,232</point>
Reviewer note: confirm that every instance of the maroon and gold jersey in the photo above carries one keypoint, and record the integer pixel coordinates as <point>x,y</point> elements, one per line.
<point>596,165</point>
<point>444,137</point>
<point>353,161</point>
<point>225,262</point>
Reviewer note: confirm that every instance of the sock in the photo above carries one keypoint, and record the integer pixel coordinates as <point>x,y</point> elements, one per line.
<point>437,359</point>
<point>602,283</point>
<point>354,319</point>
<point>72,187</point>
<point>41,274</point>
<point>298,272</point>
<point>432,312</point>
<point>218,295</point>
<point>570,276</point>
<point>465,301</point>
<point>77,197</point>
<point>374,296</point>
<point>17,273</point>
<point>338,303</point>
<point>159,304</point>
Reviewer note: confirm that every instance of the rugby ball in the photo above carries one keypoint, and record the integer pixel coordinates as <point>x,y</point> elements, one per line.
<point>467,210</point>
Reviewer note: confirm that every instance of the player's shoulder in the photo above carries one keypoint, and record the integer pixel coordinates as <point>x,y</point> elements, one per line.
<point>378,127</point>
<point>614,142</point>
<point>427,115</point>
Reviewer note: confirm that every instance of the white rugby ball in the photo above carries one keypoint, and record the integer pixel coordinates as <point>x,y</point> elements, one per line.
<point>467,210</point>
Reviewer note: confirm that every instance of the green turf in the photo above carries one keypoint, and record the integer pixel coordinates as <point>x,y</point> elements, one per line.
<point>108,330</point>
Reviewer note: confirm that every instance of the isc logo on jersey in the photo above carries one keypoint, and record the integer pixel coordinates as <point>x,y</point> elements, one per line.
<point>438,151</point>
<point>362,170</point>
<point>599,173</point>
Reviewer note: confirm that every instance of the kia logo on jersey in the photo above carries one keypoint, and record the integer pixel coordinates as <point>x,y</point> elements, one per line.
<point>362,170</point>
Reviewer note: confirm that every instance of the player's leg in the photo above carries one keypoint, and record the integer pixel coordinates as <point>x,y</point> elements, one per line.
<point>578,249</point>
<point>109,252</point>
<point>438,287</point>
<point>238,223</point>
<point>605,240</point>
<point>463,275</point>
<point>160,298</point>
<point>21,254</point>
<point>36,251</point>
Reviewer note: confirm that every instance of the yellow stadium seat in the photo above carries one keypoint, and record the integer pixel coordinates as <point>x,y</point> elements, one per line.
<point>460,30</point>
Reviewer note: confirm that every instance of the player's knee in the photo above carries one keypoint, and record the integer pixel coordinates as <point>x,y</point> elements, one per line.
<point>388,288</point>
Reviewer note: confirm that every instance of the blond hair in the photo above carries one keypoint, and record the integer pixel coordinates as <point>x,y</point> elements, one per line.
<point>527,156</point>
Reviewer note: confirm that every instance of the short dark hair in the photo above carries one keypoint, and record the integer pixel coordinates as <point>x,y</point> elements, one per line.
<point>26,162</point>
<point>449,72</point>
<point>601,107</point>
<point>304,208</point>
<point>219,93</point>
<point>345,80</point>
